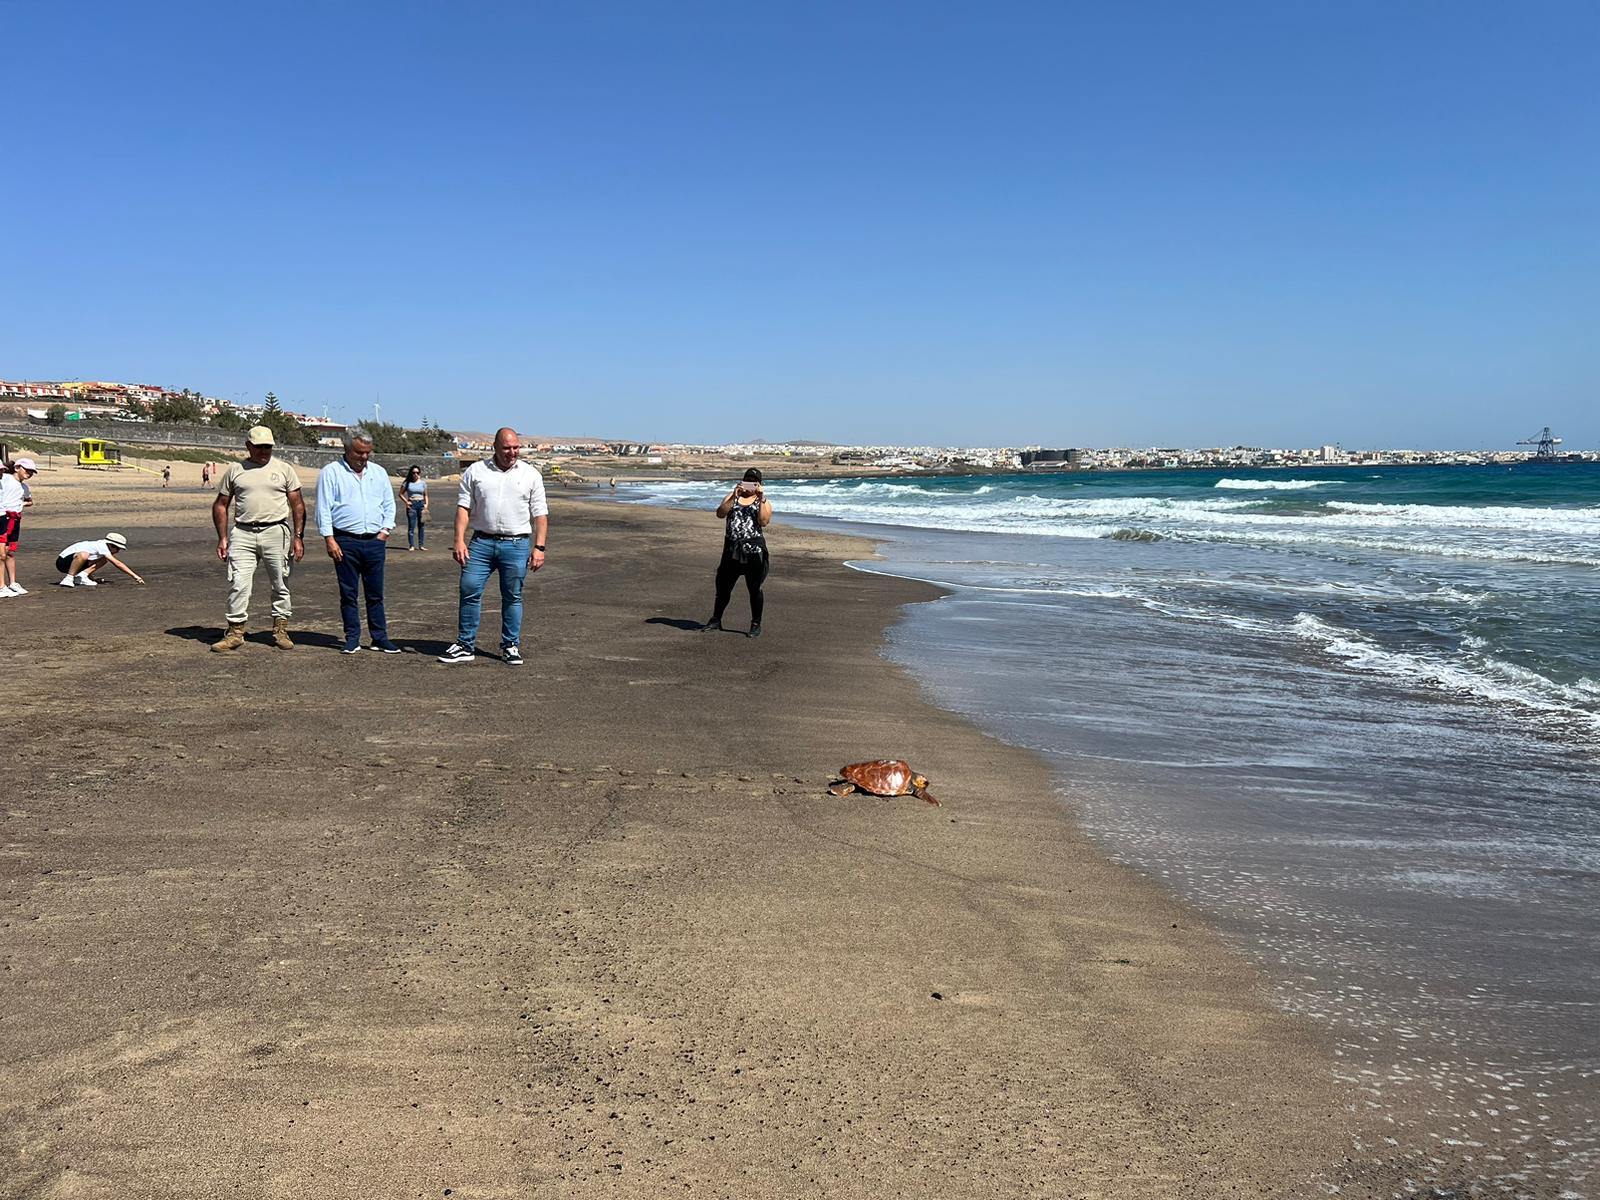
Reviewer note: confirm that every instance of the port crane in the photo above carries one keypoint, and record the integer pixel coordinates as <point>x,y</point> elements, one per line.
<point>1545,443</point>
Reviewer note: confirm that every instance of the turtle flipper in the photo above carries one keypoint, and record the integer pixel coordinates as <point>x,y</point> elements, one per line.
<point>925,794</point>
<point>843,788</point>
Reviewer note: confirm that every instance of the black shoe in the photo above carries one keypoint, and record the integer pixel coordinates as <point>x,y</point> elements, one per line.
<point>511,656</point>
<point>350,648</point>
<point>755,630</point>
<point>385,647</point>
<point>457,653</point>
<point>714,623</point>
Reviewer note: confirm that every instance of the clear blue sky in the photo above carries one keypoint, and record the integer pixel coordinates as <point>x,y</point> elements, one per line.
<point>1068,223</point>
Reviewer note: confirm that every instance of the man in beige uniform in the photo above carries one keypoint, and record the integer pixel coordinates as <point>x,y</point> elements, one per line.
<point>269,524</point>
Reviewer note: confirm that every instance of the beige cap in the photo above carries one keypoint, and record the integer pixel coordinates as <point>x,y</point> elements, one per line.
<point>260,436</point>
<point>117,540</point>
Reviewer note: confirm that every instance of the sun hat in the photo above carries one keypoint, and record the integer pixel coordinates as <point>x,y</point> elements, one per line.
<point>260,436</point>
<point>117,540</point>
<point>26,464</point>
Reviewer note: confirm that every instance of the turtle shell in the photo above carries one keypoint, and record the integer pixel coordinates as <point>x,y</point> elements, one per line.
<point>882,777</point>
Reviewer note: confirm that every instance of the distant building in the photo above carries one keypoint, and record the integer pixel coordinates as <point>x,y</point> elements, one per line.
<point>32,391</point>
<point>1052,458</point>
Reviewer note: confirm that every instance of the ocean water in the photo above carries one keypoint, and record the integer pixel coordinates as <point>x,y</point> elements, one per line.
<point>1352,714</point>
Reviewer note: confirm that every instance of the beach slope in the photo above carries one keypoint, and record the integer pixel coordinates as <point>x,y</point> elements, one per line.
<point>281,924</point>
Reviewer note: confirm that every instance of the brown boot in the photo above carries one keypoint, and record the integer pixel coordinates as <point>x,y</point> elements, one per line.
<point>280,633</point>
<point>231,640</point>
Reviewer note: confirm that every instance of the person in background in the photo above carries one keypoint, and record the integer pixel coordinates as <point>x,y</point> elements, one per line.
<point>205,475</point>
<point>15,495</point>
<point>355,515</point>
<point>744,548</point>
<point>414,495</point>
<point>269,526</point>
<point>81,561</point>
<point>166,475</point>
<point>501,501</point>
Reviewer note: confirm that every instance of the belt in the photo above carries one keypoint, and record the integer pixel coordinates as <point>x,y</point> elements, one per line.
<point>260,524</point>
<point>365,537</point>
<point>499,537</point>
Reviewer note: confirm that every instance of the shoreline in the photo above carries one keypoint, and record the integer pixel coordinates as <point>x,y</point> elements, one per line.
<point>640,926</point>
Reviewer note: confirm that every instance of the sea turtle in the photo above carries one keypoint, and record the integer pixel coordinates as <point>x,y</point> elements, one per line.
<point>884,777</point>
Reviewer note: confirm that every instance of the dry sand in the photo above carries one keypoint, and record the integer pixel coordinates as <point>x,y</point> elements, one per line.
<point>294,923</point>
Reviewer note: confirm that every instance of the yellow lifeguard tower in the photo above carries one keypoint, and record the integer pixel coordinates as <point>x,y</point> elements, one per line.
<point>97,452</point>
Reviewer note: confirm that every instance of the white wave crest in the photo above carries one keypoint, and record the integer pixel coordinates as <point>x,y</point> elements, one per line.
<point>1579,522</point>
<point>1273,485</point>
<point>1487,678</point>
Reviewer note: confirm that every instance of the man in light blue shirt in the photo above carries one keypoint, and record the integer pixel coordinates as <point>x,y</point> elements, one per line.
<point>355,512</point>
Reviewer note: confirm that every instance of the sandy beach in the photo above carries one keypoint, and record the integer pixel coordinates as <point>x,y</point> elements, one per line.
<point>292,923</point>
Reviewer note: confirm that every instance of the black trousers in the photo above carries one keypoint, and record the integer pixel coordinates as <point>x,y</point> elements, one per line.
<point>754,570</point>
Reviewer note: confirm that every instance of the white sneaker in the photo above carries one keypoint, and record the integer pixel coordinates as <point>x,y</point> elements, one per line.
<point>457,653</point>
<point>18,590</point>
<point>8,591</point>
<point>69,581</point>
<point>86,581</point>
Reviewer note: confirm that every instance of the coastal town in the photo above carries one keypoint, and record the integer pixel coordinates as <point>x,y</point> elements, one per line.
<point>53,408</point>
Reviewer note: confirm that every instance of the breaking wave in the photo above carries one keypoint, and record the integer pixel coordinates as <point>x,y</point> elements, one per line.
<point>1273,485</point>
<point>1483,676</point>
<point>1134,535</point>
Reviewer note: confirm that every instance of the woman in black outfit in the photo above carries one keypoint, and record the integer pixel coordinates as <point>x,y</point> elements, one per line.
<point>744,547</point>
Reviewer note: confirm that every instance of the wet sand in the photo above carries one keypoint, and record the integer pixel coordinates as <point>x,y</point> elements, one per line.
<point>291,923</point>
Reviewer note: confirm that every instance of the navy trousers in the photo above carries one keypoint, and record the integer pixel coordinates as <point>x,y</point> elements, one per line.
<point>362,568</point>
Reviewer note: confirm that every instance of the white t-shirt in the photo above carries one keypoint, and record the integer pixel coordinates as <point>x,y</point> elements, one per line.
<point>13,492</point>
<point>95,550</point>
<point>502,502</point>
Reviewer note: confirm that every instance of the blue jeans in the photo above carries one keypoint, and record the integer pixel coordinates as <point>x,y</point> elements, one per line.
<point>362,566</point>
<point>414,523</point>
<point>509,557</point>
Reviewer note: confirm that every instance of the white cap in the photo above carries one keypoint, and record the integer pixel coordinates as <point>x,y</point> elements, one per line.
<point>117,540</point>
<point>260,436</point>
<point>26,464</point>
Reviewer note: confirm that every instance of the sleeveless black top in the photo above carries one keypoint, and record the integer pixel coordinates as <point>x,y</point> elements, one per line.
<point>744,541</point>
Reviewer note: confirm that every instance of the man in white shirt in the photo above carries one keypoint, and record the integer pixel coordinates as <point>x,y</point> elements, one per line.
<point>501,522</point>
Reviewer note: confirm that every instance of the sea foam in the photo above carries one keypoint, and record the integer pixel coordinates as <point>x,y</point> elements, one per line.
<point>1273,485</point>
<point>1487,678</point>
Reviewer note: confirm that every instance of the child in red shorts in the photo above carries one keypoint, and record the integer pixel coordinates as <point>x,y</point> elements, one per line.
<point>15,495</point>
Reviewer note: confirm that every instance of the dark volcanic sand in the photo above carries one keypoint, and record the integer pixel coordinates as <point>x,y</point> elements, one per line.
<point>292,923</point>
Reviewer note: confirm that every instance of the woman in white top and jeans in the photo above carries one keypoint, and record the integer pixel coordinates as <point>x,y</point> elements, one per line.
<point>414,495</point>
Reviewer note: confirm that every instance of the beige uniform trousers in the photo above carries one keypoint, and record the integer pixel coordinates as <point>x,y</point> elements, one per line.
<point>271,547</point>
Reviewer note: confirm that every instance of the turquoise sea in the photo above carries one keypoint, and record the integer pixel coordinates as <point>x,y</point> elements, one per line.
<point>1351,713</point>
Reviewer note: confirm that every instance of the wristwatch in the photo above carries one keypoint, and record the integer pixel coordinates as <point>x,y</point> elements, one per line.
<point>539,548</point>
